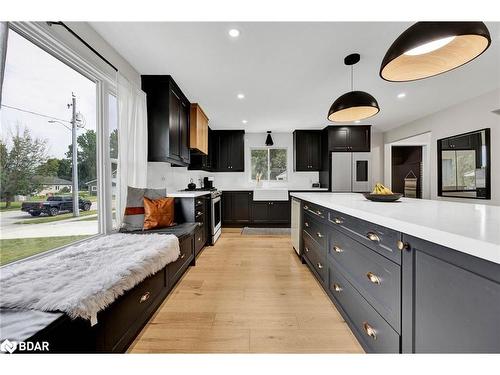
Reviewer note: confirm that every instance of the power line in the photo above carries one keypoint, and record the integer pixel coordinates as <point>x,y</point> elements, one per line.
<point>34,113</point>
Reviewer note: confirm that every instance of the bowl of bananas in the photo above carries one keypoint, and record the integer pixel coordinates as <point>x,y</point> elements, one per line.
<point>382,194</point>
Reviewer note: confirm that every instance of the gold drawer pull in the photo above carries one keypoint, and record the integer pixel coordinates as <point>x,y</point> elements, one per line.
<point>144,297</point>
<point>373,237</point>
<point>320,266</point>
<point>306,224</point>
<point>319,213</point>
<point>402,245</point>
<point>319,235</point>
<point>199,238</point>
<point>370,331</point>
<point>306,207</point>
<point>183,255</point>
<point>337,288</point>
<point>337,221</point>
<point>337,249</point>
<point>373,278</point>
<point>198,202</point>
<point>306,249</point>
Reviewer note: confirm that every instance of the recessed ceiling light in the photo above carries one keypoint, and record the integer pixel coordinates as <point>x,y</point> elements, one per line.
<point>401,95</point>
<point>244,121</point>
<point>234,33</point>
<point>240,96</point>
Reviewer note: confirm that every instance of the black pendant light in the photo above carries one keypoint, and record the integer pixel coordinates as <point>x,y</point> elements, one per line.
<point>269,139</point>
<point>427,49</point>
<point>354,105</point>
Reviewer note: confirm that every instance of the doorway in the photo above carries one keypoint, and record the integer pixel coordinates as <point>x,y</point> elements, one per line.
<point>407,170</point>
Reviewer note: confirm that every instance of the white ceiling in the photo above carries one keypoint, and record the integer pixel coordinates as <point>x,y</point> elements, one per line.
<point>290,73</point>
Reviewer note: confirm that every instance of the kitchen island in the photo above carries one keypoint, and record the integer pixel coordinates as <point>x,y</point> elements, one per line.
<point>415,276</point>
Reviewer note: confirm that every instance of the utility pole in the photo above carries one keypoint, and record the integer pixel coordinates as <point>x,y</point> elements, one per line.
<point>76,205</point>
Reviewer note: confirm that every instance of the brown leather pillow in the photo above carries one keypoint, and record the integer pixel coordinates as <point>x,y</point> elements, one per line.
<point>158,213</point>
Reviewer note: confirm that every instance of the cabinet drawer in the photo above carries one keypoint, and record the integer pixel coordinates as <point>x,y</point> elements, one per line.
<point>131,306</point>
<point>318,211</point>
<point>382,240</point>
<point>175,269</point>
<point>375,277</point>
<point>199,239</point>
<point>374,333</point>
<point>315,229</point>
<point>316,257</point>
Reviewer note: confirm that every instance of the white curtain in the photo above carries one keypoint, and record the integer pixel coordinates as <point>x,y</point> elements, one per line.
<point>132,139</point>
<point>4,30</point>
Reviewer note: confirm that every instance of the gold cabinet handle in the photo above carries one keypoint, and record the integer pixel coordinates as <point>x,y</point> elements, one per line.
<point>337,288</point>
<point>319,235</point>
<point>306,249</point>
<point>144,297</point>
<point>402,245</point>
<point>319,213</point>
<point>199,238</point>
<point>306,207</point>
<point>306,224</point>
<point>373,278</point>
<point>370,331</point>
<point>320,266</point>
<point>183,255</point>
<point>337,249</point>
<point>337,221</point>
<point>373,237</point>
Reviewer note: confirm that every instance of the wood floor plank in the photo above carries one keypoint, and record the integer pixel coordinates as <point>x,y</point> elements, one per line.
<point>247,294</point>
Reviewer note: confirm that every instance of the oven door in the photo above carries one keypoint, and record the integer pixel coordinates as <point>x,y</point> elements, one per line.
<point>216,215</point>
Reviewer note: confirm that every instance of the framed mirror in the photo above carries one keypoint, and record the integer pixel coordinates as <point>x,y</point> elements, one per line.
<point>464,165</point>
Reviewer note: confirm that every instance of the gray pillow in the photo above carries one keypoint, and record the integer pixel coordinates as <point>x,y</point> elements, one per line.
<point>133,219</point>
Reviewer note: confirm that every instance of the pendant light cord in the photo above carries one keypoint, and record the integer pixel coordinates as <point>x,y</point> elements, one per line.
<point>352,80</point>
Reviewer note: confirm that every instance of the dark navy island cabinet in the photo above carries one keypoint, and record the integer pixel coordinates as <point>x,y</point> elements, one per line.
<point>401,294</point>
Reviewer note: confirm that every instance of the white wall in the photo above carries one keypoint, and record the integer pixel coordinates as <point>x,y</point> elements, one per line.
<point>471,115</point>
<point>175,178</point>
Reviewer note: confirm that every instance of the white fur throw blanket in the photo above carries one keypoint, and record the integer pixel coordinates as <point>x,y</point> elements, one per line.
<point>84,279</point>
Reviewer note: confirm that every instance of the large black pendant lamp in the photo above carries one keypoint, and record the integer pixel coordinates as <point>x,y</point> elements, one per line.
<point>427,49</point>
<point>354,105</point>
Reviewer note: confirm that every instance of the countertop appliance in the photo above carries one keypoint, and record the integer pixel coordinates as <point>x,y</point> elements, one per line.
<point>351,172</point>
<point>208,182</point>
<point>295,224</point>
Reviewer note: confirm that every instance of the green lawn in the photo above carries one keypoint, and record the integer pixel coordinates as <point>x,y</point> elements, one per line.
<point>49,219</point>
<point>18,248</point>
<point>13,206</point>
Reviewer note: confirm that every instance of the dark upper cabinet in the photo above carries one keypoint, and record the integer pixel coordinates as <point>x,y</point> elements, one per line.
<point>229,149</point>
<point>355,138</point>
<point>307,150</point>
<point>168,120</point>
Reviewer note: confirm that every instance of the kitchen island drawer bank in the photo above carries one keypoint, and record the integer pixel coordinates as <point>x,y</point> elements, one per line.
<point>404,280</point>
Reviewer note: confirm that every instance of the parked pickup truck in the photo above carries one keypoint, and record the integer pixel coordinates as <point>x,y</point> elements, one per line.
<point>54,205</point>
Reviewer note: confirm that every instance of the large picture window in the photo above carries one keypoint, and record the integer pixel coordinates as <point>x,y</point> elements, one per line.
<point>50,110</point>
<point>269,164</point>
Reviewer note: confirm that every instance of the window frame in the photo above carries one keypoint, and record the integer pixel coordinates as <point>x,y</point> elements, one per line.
<point>268,149</point>
<point>63,46</point>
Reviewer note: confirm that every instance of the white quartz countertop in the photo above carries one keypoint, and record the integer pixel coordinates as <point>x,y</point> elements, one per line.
<point>467,227</point>
<point>253,188</point>
<point>187,194</point>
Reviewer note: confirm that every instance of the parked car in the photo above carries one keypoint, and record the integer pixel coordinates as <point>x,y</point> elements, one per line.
<point>53,206</point>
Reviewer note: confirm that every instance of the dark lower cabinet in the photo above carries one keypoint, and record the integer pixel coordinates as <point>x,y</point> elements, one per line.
<point>451,301</point>
<point>425,298</point>
<point>239,208</point>
<point>236,207</point>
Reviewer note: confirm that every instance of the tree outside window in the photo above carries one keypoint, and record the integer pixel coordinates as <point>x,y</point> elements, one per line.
<point>269,163</point>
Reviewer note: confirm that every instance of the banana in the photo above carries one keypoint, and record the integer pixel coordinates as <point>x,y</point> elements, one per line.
<point>381,189</point>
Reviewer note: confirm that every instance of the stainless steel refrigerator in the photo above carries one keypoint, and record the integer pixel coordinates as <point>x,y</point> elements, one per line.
<point>351,172</point>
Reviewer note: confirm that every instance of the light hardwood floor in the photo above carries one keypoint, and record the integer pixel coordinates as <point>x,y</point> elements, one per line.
<point>247,294</point>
